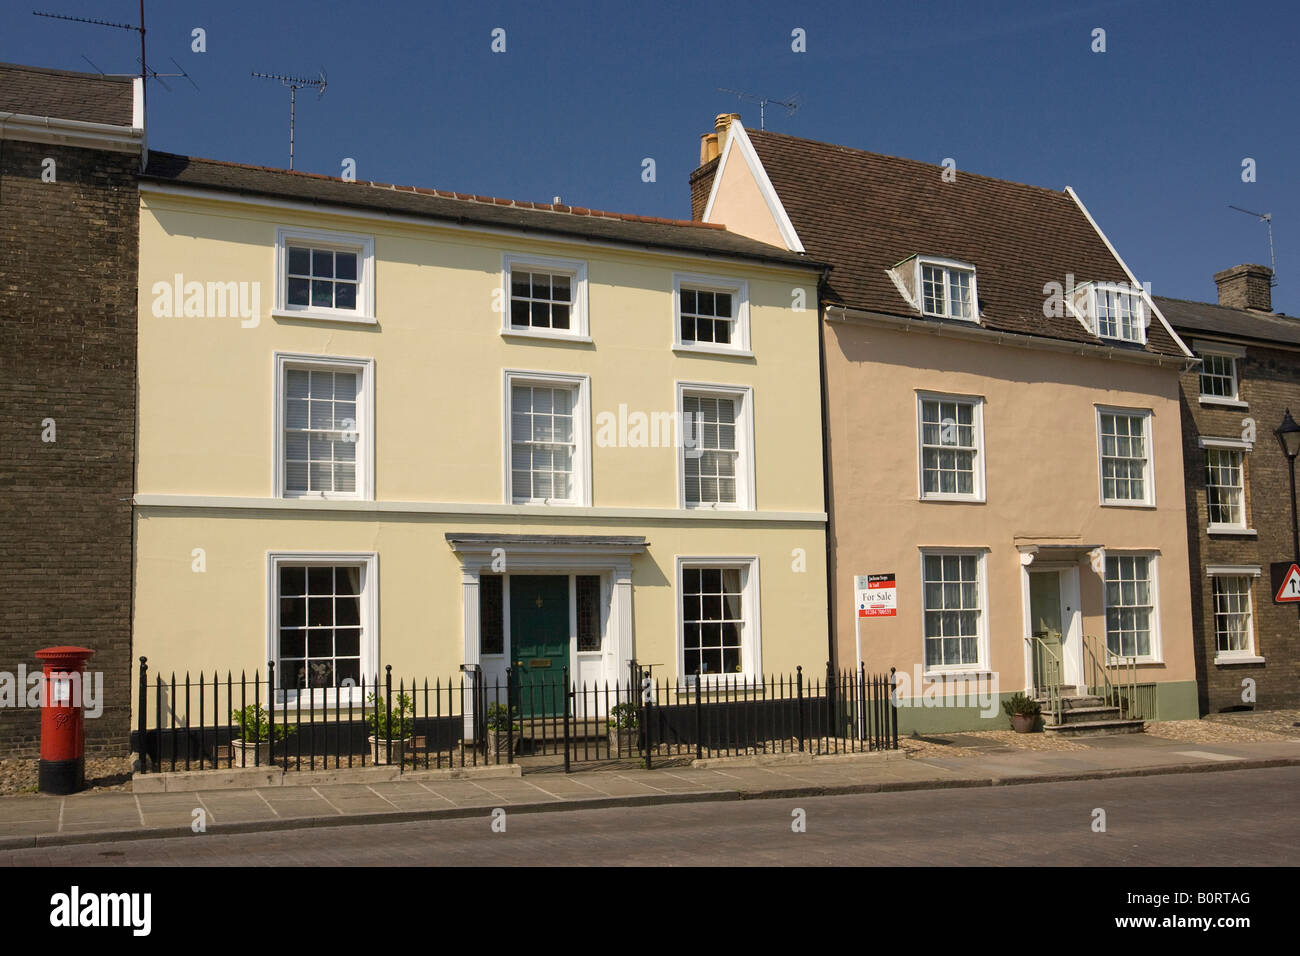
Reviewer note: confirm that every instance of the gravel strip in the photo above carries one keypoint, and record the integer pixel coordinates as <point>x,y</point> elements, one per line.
<point>18,775</point>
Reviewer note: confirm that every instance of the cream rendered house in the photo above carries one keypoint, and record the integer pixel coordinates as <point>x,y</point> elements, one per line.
<point>1003,433</point>
<point>385,426</point>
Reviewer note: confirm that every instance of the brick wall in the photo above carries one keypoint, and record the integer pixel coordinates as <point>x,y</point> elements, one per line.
<point>1269,382</point>
<point>68,264</point>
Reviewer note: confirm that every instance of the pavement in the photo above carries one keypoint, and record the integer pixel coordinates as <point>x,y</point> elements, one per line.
<point>342,799</point>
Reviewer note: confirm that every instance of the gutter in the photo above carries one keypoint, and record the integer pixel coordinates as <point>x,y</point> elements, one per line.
<point>1013,339</point>
<point>165,185</point>
<point>50,129</point>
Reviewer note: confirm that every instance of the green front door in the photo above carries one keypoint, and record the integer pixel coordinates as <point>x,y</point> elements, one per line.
<point>539,641</point>
<point>1045,620</point>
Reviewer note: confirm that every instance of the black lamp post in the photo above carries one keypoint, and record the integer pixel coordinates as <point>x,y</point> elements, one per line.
<point>1288,434</point>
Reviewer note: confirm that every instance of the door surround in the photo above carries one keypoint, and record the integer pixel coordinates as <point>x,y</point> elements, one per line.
<point>1071,618</point>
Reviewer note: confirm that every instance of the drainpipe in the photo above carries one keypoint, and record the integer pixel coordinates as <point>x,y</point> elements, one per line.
<point>831,570</point>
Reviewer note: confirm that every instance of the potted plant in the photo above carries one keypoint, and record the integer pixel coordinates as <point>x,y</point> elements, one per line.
<point>397,726</point>
<point>624,722</point>
<point>252,745</point>
<point>1024,713</point>
<point>497,722</point>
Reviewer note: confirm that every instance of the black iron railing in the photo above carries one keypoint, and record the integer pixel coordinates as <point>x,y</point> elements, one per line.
<point>216,722</point>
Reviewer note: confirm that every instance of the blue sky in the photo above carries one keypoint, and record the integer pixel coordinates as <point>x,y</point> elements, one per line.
<point>1152,133</point>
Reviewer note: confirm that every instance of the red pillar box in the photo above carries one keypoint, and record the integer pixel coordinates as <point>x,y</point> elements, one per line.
<point>63,733</point>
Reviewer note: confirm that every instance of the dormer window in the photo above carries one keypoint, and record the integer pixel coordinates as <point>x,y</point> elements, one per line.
<point>944,288</point>
<point>1112,311</point>
<point>947,289</point>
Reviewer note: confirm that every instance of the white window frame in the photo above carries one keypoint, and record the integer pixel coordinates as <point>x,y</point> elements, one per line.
<point>982,665</point>
<point>1153,567</point>
<point>575,269</point>
<point>738,289</point>
<point>365,457</point>
<point>977,468</point>
<point>745,472</point>
<point>369,562</point>
<point>581,435</point>
<point>1084,305</point>
<point>1234,354</point>
<point>1251,573</point>
<point>363,246</point>
<point>1242,448</point>
<point>948,266</point>
<point>751,631</point>
<point>1148,475</point>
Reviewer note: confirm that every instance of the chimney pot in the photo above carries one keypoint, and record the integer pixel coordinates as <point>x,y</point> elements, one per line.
<point>722,122</point>
<point>708,148</point>
<point>1246,286</point>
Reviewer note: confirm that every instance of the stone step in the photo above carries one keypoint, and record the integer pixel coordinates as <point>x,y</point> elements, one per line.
<point>1096,728</point>
<point>1075,701</point>
<point>1083,715</point>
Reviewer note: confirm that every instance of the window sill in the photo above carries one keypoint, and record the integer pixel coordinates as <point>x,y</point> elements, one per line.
<point>548,503</point>
<point>308,315</point>
<point>684,349</point>
<point>1129,504</point>
<point>538,334</point>
<point>709,507</point>
<point>1229,660</point>
<point>957,674</point>
<point>1222,402</point>
<point>316,497</point>
<point>1228,530</point>
<point>950,318</point>
<point>967,499</point>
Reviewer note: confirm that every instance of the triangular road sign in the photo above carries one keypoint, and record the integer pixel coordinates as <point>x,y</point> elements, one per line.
<point>1289,591</point>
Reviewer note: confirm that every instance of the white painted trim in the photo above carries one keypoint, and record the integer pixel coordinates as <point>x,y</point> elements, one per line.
<point>983,664</point>
<point>775,207</point>
<point>25,127</point>
<point>1233,571</point>
<point>369,561</point>
<point>579,329</point>
<point>1149,477</point>
<point>1146,297</point>
<point>1090,318</point>
<point>365,460</point>
<point>137,103</point>
<point>1234,444</point>
<point>751,632</point>
<point>1157,644</point>
<point>375,510</point>
<point>1214,400</point>
<point>739,291</point>
<point>980,494</point>
<point>979,333</point>
<point>948,265</point>
<point>582,472</point>
<point>364,246</point>
<point>746,497</point>
<point>442,222</point>
<point>1236,657</point>
<point>1070,597</point>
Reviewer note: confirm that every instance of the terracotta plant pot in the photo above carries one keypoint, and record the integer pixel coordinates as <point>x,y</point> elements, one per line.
<point>498,743</point>
<point>1024,723</point>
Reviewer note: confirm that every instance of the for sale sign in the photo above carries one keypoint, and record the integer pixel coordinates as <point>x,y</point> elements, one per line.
<point>1286,582</point>
<point>876,594</point>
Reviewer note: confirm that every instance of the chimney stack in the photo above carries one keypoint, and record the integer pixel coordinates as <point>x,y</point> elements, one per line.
<point>1246,287</point>
<point>711,144</point>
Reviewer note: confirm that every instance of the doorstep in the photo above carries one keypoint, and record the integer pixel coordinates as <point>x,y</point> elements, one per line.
<point>796,758</point>
<point>252,778</point>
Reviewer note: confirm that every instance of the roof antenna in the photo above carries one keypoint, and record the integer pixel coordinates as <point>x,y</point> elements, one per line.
<point>791,104</point>
<point>295,83</point>
<point>1267,219</point>
<point>146,72</point>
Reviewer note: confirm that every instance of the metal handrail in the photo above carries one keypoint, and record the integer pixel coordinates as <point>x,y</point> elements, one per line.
<point>1047,676</point>
<point>1112,675</point>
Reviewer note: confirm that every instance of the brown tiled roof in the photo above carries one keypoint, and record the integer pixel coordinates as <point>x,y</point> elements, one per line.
<point>542,218</point>
<point>85,97</point>
<point>1187,316</point>
<point>865,212</point>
